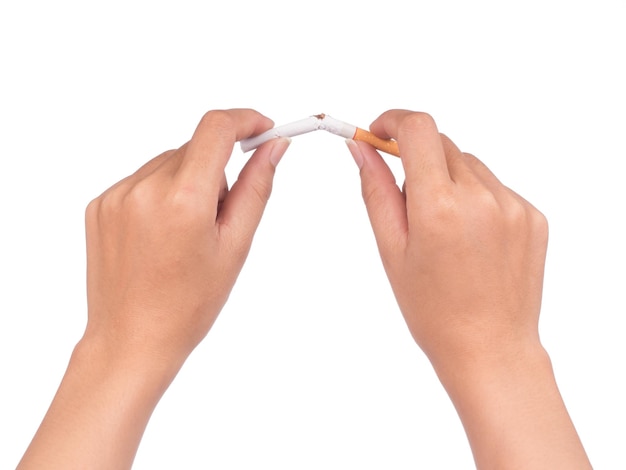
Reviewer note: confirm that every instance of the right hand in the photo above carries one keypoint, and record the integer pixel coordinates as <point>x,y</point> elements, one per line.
<point>166,244</point>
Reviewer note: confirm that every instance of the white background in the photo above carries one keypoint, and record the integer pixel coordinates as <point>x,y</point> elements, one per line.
<point>310,364</point>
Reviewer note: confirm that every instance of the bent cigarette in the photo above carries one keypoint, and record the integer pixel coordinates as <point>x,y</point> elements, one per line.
<point>326,123</point>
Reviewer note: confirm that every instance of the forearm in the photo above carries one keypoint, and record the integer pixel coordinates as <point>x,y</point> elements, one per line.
<point>100,411</point>
<point>164,247</point>
<point>465,256</point>
<point>512,411</point>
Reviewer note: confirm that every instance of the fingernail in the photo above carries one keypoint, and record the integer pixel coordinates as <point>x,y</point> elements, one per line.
<point>356,152</point>
<point>278,150</point>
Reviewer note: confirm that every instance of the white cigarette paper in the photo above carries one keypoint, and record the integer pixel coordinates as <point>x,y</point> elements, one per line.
<point>310,124</point>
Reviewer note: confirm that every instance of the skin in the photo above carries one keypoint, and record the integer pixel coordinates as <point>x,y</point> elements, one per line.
<point>464,255</point>
<point>465,258</point>
<point>164,248</point>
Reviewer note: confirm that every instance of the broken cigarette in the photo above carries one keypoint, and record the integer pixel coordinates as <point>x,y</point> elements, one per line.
<point>326,123</point>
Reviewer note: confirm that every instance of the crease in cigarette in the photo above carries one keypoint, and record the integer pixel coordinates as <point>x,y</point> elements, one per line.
<point>326,123</point>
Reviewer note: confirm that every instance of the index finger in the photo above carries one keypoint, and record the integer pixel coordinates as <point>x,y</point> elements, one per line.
<point>212,143</point>
<point>421,149</point>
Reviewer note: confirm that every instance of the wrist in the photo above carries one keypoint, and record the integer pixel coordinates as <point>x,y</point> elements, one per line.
<point>141,369</point>
<point>497,362</point>
<point>512,410</point>
<point>104,402</point>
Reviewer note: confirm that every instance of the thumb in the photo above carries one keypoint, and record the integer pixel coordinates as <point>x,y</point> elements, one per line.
<point>243,207</point>
<point>383,199</point>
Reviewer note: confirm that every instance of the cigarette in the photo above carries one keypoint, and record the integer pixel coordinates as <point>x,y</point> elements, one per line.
<point>326,123</point>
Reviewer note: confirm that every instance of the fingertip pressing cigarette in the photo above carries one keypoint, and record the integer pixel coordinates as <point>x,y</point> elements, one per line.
<point>326,123</point>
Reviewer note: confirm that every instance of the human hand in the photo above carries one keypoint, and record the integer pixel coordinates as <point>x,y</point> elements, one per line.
<point>464,254</point>
<point>465,258</point>
<point>166,244</point>
<point>164,247</point>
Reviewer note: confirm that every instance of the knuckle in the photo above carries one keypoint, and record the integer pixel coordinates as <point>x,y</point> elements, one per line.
<point>540,225</point>
<point>138,203</point>
<point>92,210</point>
<point>516,211</point>
<point>490,206</point>
<point>239,249</point>
<point>218,120</point>
<point>479,211</point>
<point>476,164</point>
<point>440,210</point>
<point>371,194</point>
<point>262,191</point>
<point>139,196</point>
<point>108,205</point>
<point>416,121</point>
<point>235,243</point>
<point>185,205</point>
<point>504,213</point>
<point>376,196</point>
<point>259,185</point>
<point>521,216</point>
<point>471,159</point>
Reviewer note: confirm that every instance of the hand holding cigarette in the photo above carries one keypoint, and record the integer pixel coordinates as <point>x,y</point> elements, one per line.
<point>326,123</point>
<point>463,254</point>
<point>465,259</point>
